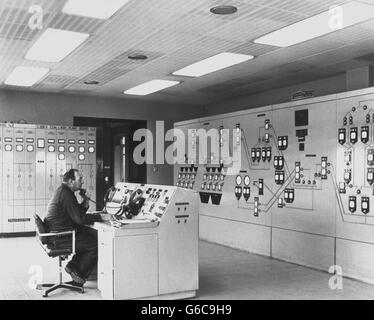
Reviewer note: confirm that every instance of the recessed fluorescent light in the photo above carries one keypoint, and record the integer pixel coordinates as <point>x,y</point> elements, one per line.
<point>215,63</point>
<point>25,76</point>
<point>55,44</point>
<point>100,9</point>
<point>324,23</point>
<point>150,87</point>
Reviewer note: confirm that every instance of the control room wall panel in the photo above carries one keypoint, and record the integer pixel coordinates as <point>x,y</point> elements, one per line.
<point>312,203</point>
<point>34,159</point>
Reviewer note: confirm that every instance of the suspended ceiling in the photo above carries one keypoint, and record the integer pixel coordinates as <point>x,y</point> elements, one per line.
<point>174,34</point>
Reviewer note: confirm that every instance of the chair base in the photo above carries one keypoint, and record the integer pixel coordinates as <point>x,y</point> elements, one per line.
<point>63,285</point>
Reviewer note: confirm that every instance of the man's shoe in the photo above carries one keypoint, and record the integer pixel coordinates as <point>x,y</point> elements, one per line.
<point>75,284</point>
<point>74,275</point>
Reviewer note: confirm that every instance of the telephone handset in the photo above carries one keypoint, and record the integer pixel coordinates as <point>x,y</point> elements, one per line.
<point>136,202</point>
<point>109,194</point>
<point>82,192</point>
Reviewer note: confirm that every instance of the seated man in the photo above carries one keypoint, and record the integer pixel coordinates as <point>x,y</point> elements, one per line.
<point>65,213</point>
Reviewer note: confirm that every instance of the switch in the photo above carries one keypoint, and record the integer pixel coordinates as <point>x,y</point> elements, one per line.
<point>347,176</point>
<point>285,142</point>
<point>353,135</point>
<point>261,187</point>
<point>297,172</point>
<point>352,204</point>
<point>268,154</point>
<point>370,157</point>
<point>342,136</point>
<point>282,142</point>
<point>253,154</point>
<point>324,168</point>
<point>279,177</point>
<point>256,210</point>
<point>263,154</point>
<point>246,193</point>
<point>280,203</point>
<point>370,176</point>
<point>279,162</point>
<point>289,195</point>
<point>258,154</point>
<point>365,205</point>
<point>276,164</point>
<point>342,187</point>
<point>238,192</point>
<point>267,124</point>
<point>364,134</point>
<point>267,138</point>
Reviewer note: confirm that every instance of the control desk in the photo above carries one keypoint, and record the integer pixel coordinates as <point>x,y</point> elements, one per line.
<point>149,246</point>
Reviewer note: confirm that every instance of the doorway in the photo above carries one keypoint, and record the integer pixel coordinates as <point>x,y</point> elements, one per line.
<point>115,146</point>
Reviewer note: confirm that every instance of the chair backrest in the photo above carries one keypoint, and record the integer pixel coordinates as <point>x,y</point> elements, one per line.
<point>41,228</point>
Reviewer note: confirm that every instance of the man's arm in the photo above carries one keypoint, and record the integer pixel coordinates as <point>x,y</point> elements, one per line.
<point>76,211</point>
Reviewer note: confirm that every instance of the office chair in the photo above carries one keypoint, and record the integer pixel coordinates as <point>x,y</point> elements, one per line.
<point>52,250</point>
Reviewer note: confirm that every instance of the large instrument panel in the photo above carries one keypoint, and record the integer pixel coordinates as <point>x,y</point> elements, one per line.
<point>303,188</point>
<point>33,161</point>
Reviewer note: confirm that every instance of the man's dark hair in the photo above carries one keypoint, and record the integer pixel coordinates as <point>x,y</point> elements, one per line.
<point>69,175</point>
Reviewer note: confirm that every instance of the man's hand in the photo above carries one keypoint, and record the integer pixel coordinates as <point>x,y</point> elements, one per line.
<point>86,199</point>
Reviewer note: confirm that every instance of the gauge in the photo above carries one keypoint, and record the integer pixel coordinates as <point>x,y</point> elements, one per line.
<point>246,181</point>
<point>238,180</point>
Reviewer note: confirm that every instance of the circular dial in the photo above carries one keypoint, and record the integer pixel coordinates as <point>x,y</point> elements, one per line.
<point>238,180</point>
<point>247,180</point>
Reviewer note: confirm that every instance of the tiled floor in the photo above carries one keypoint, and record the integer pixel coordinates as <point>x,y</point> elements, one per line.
<point>224,274</point>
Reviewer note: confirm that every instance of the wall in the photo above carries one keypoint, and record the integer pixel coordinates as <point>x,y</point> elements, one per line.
<point>60,109</point>
<point>321,87</point>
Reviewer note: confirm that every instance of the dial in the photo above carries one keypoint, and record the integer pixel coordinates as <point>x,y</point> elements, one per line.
<point>238,180</point>
<point>247,180</point>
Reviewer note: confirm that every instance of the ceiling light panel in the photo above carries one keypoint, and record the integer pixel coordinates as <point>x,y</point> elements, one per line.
<point>212,64</point>
<point>99,9</point>
<point>318,25</point>
<point>25,76</point>
<point>55,44</point>
<point>151,87</point>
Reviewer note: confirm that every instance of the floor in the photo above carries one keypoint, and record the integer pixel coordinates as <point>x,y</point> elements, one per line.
<point>225,273</point>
